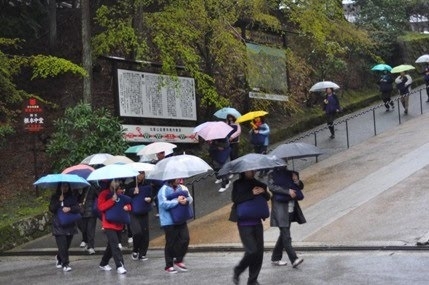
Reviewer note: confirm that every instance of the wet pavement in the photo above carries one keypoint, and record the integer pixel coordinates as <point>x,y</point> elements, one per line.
<point>366,211</point>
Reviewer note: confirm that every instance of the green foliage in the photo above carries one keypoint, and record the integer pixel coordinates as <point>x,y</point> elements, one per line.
<point>10,66</point>
<point>82,132</point>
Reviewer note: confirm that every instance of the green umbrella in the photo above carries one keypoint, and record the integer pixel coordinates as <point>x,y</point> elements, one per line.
<point>135,148</point>
<point>402,68</point>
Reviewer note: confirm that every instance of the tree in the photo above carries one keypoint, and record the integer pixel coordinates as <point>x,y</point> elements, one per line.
<point>86,50</point>
<point>83,131</point>
<point>42,66</point>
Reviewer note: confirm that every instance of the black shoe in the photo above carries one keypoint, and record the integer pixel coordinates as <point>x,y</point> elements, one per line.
<point>387,109</point>
<point>236,277</point>
<point>406,111</point>
<point>332,137</point>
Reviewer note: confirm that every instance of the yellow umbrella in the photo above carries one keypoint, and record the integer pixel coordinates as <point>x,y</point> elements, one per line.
<point>251,115</point>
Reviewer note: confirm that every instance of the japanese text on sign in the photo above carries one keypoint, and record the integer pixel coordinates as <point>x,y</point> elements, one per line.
<point>149,95</point>
<point>138,133</point>
<point>33,119</point>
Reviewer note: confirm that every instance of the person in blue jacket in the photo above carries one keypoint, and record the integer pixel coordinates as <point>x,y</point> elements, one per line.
<point>331,106</point>
<point>176,235</point>
<point>219,151</point>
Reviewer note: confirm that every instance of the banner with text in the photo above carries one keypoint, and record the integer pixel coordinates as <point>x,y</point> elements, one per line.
<point>139,133</point>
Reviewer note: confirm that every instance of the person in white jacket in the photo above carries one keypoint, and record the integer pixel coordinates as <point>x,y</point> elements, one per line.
<point>403,83</point>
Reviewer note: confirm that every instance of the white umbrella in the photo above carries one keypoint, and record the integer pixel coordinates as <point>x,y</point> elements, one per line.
<point>113,171</point>
<point>142,166</point>
<point>322,85</point>
<point>423,59</point>
<point>179,166</point>
<point>97,158</point>
<point>118,159</point>
<point>251,161</point>
<point>156,147</point>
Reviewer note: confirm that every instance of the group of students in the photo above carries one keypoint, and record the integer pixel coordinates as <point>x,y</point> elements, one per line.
<point>250,208</point>
<point>224,150</point>
<point>118,203</point>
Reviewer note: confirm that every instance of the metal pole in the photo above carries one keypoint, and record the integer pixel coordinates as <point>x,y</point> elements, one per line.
<point>347,133</point>
<point>373,119</point>
<point>35,163</point>
<point>315,144</point>
<point>399,111</point>
<point>193,197</point>
<point>421,102</point>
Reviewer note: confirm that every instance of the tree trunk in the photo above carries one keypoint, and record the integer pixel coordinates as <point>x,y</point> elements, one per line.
<point>137,23</point>
<point>52,25</point>
<point>86,51</point>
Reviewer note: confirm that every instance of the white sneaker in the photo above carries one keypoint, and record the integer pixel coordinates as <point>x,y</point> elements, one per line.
<point>218,181</point>
<point>120,246</point>
<point>279,263</point>
<point>297,262</point>
<point>58,263</point>
<point>105,267</point>
<point>223,189</point>
<point>121,270</point>
<point>130,240</point>
<point>231,176</point>
<point>67,268</point>
<point>91,251</point>
<point>82,244</point>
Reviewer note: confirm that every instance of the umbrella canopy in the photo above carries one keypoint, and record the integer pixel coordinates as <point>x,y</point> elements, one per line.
<point>179,166</point>
<point>402,68</point>
<point>295,150</point>
<point>97,158</point>
<point>381,67</point>
<point>224,112</point>
<point>118,159</point>
<point>251,115</point>
<point>113,171</point>
<point>322,85</point>
<point>423,59</point>
<point>156,147</point>
<point>142,166</point>
<point>135,148</point>
<point>251,161</point>
<point>81,170</point>
<point>213,130</point>
<point>52,180</point>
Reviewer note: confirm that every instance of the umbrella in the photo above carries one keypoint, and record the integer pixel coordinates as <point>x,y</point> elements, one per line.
<point>135,148</point>
<point>95,159</point>
<point>402,68</point>
<point>213,130</point>
<point>52,180</point>
<point>322,85</point>
<point>179,166</point>
<point>113,171</point>
<point>81,170</point>
<point>224,112</point>
<point>142,166</point>
<point>118,159</point>
<point>251,115</point>
<point>251,161</point>
<point>423,59</point>
<point>156,147</point>
<point>295,150</point>
<point>381,67</point>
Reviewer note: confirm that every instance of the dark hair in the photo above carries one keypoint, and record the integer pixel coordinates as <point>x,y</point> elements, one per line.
<point>231,116</point>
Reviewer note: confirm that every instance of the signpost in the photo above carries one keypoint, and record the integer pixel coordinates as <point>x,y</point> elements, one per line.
<point>33,123</point>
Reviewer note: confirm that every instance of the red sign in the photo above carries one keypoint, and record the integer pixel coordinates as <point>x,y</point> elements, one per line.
<point>33,118</point>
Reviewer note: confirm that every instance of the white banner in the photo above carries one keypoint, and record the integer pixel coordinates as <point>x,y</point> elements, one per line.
<point>139,133</point>
<point>148,95</point>
<point>267,96</point>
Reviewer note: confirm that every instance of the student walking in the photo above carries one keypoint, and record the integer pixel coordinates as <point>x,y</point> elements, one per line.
<point>331,106</point>
<point>403,84</point>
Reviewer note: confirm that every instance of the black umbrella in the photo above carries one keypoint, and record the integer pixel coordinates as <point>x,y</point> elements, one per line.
<point>251,161</point>
<point>295,150</point>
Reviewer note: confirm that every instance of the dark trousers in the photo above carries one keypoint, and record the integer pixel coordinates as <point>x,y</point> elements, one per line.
<point>216,167</point>
<point>87,227</point>
<point>63,244</point>
<point>427,92</point>
<point>330,117</point>
<point>284,241</point>
<point>140,227</point>
<point>234,150</point>
<point>252,238</point>
<point>112,249</point>
<point>176,243</point>
<point>386,97</point>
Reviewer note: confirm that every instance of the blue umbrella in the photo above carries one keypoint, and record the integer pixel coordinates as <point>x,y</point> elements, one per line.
<point>52,180</point>
<point>224,112</point>
<point>381,67</point>
<point>135,148</point>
